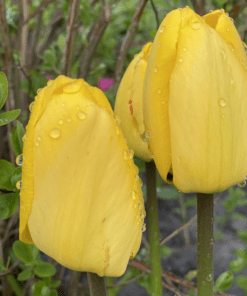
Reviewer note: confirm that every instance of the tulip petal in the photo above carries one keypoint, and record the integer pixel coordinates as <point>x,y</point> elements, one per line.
<point>129,104</point>
<point>156,91</point>
<point>207,110</point>
<point>82,202</point>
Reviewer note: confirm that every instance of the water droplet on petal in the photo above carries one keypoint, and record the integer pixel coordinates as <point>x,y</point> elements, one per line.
<point>131,255</point>
<point>117,118</point>
<point>31,106</point>
<point>133,195</point>
<point>136,177</point>
<point>162,29</point>
<point>184,49</point>
<point>180,60</point>
<point>69,119</point>
<point>143,227</point>
<point>24,137</point>
<point>39,90</point>
<point>60,121</point>
<point>196,25</point>
<point>131,153</point>
<point>227,29</point>
<point>231,80</point>
<point>141,183</point>
<point>72,88</point>
<point>39,138</point>
<point>18,184</point>
<point>81,115</point>
<point>242,184</point>
<point>117,130</point>
<point>55,133</point>
<point>223,115</point>
<point>125,155</point>
<point>63,105</point>
<point>222,102</point>
<point>159,90</point>
<point>163,102</point>
<point>19,160</point>
<point>159,45</point>
<point>156,69</point>
<point>223,53</point>
<point>147,135</point>
<point>37,143</point>
<point>222,10</point>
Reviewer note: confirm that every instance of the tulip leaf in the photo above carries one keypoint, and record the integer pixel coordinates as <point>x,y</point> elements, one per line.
<point>24,275</point>
<point>224,281</point>
<point>16,176</point>
<point>6,171</point>
<point>16,138</point>
<point>8,204</point>
<point>44,269</point>
<point>25,252</point>
<point>3,89</point>
<point>7,117</point>
<point>241,281</point>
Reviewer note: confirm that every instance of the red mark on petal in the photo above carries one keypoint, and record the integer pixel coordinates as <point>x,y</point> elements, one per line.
<point>131,110</point>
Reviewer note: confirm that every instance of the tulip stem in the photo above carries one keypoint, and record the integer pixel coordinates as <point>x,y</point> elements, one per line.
<point>205,241</point>
<point>96,284</point>
<point>153,229</point>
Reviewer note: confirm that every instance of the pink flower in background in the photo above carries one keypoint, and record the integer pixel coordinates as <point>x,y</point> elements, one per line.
<point>49,78</point>
<point>104,84</point>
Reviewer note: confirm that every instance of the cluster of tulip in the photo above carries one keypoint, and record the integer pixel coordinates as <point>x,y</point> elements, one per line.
<point>182,102</point>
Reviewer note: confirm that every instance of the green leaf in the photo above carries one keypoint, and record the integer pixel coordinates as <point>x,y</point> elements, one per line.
<point>16,176</point>
<point>3,89</point>
<point>238,264</point>
<point>190,275</point>
<point>53,293</point>
<point>241,281</point>
<point>44,269</point>
<point>239,217</point>
<point>24,251</point>
<point>191,292</point>
<point>165,251</point>
<point>7,117</point>
<point>8,204</point>
<point>6,171</point>
<point>45,291</point>
<point>16,138</point>
<point>24,275</point>
<point>243,236</point>
<point>55,284</point>
<point>37,287</point>
<point>224,281</point>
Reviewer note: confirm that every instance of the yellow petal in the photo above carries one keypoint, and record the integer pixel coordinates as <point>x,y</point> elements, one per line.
<point>129,104</point>
<point>207,110</point>
<point>156,91</point>
<point>81,202</point>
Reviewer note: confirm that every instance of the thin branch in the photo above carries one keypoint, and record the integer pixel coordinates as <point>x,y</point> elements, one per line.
<point>128,282</point>
<point>94,39</point>
<point>70,36</point>
<point>10,269</point>
<point>156,14</point>
<point>244,30</point>
<point>177,231</point>
<point>127,41</point>
<point>37,10</point>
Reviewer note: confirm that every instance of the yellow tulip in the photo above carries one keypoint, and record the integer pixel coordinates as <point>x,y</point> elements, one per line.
<point>195,101</point>
<point>81,198</point>
<point>129,104</point>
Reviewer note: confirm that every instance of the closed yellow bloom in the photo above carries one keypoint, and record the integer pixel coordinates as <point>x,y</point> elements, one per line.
<point>81,199</point>
<point>195,101</point>
<point>129,104</point>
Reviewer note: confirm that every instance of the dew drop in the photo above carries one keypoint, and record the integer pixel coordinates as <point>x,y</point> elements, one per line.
<point>134,205</point>
<point>24,137</point>
<point>31,106</point>
<point>131,153</point>
<point>24,208</point>
<point>211,30</point>
<point>227,29</point>
<point>55,133</point>
<point>159,90</point>
<point>231,80</point>
<point>170,25</point>
<point>184,49</point>
<point>69,119</point>
<point>196,25</point>
<point>60,121</point>
<point>223,115</point>
<point>222,102</point>
<point>143,227</point>
<point>125,155</point>
<point>117,130</point>
<point>231,19</point>
<point>19,160</point>
<point>36,98</point>
<point>63,105</point>
<point>162,29</point>
<point>141,183</point>
<point>147,135</point>
<point>117,118</point>
<point>222,10</point>
<point>133,195</point>
<point>39,138</point>
<point>242,184</point>
<point>211,10</point>
<point>209,278</point>
<point>37,143</point>
<point>136,177</point>
<point>212,241</point>
<point>223,53</point>
<point>159,45</point>
<point>139,206</point>
<point>39,90</point>
<point>163,102</point>
<point>18,184</point>
<point>181,60</point>
<point>156,69</point>
<point>141,215</point>
<point>131,255</point>
<point>81,115</point>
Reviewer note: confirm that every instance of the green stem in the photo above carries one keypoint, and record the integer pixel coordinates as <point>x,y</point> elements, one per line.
<point>110,283</point>
<point>205,239</point>
<point>96,284</point>
<point>15,285</point>
<point>153,229</point>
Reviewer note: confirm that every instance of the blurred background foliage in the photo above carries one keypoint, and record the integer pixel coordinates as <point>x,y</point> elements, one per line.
<point>32,51</point>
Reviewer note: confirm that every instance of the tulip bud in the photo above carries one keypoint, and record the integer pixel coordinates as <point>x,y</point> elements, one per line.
<point>81,202</point>
<point>195,101</point>
<point>129,104</point>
